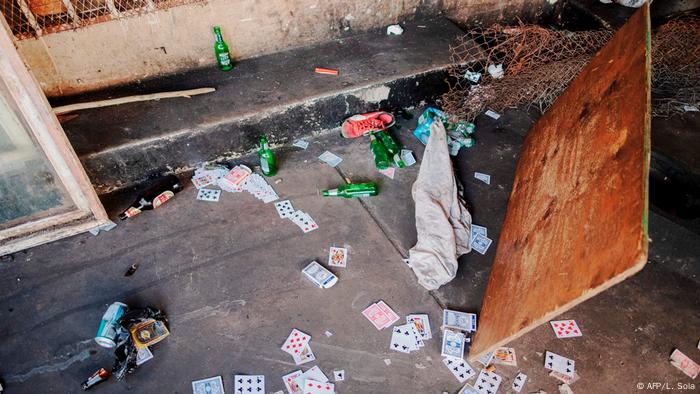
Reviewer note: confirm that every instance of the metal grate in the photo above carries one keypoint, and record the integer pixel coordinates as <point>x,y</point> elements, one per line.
<point>30,18</point>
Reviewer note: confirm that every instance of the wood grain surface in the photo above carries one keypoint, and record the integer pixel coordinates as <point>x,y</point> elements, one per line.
<point>576,221</point>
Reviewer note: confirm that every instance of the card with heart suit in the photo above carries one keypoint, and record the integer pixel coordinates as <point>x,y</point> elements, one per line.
<point>202,180</point>
<point>422,323</point>
<point>284,208</point>
<point>452,344</point>
<point>314,387</point>
<point>393,317</point>
<point>249,384</point>
<point>487,382</point>
<point>684,363</point>
<point>376,316</point>
<point>289,383</point>
<point>296,341</point>
<point>314,373</point>
<point>519,382</point>
<point>565,328</point>
<point>304,356</point>
<point>505,356</point>
<point>559,363</point>
<point>337,257</point>
<point>459,368</point>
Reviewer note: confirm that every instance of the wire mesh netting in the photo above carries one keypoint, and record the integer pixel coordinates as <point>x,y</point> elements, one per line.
<point>30,18</point>
<point>538,63</point>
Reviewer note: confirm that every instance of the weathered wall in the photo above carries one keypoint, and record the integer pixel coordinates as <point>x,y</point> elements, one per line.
<point>166,41</point>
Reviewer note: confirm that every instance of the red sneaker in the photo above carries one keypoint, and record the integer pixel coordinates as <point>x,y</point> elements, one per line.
<point>361,124</point>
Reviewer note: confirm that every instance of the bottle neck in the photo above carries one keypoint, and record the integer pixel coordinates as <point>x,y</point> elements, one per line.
<point>217,34</point>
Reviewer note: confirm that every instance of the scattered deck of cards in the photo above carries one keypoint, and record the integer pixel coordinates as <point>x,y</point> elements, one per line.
<point>302,219</point>
<point>239,178</point>
<point>479,239</point>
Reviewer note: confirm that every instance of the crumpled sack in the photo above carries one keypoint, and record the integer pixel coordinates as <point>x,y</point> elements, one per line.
<point>443,222</point>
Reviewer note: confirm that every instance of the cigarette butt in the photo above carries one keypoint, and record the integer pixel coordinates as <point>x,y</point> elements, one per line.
<point>491,368</point>
<point>327,71</point>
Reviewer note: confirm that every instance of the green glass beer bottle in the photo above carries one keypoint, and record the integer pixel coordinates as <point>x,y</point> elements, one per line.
<point>268,163</point>
<point>223,58</point>
<point>352,190</point>
<point>380,153</point>
<point>392,147</point>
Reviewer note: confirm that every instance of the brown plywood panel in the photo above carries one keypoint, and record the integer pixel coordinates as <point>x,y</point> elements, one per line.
<point>576,221</point>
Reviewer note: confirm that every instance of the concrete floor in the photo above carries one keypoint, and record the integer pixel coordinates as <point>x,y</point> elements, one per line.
<point>228,275</point>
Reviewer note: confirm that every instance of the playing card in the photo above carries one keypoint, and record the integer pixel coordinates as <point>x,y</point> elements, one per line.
<point>559,363</point>
<point>564,378</point>
<point>301,144</point>
<point>684,363</point>
<point>422,323</point>
<point>143,355</point>
<point>314,373</point>
<point>476,229</point>
<point>208,195</point>
<point>339,375</point>
<point>519,382</point>
<point>485,360</point>
<point>483,177</point>
<point>565,328</point>
<point>459,320</point>
<point>492,114</point>
<point>403,339</point>
<point>393,317</point>
<point>376,316</point>
<point>468,389</point>
<point>330,159</point>
<point>481,243</point>
<point>505,356</point>
<point>296,340</point>
<point>389,172</point>
<point>249,384</point>
<point>337,257</point>
<point>303,221</point>
<point>314,387</point>
<point>487,382</point>
<point>407,157</point>
<point>304,356</point>
<point>452,344</point>
<point>284,208</point>
<point>289,383</point>
<point>202,180</point>
<point>459,368</point>
<point>208,386</point>
<point>319,275</point>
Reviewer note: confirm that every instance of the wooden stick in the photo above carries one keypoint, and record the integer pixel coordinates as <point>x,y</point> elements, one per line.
<point>130,99</point>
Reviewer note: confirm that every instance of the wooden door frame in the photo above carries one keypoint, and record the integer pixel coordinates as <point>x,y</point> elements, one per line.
<point>43,125</point>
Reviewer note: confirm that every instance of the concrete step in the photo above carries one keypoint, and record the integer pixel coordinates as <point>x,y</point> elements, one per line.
<point>278,94</point>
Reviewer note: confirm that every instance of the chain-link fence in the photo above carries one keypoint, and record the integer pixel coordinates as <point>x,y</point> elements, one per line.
<point>30,18</point>
<point>538,64</point>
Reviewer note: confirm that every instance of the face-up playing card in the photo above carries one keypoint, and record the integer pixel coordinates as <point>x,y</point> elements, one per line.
<point>295,342</point>
<point>304,356</point>
<point>143,355</point>
<point>314,387</point>
<point>330,159</point>
<point>249,384</point>
<point>519,382</point>
<point>337,257</point>
<point>284,208</point>
<point>393,317</point>
<point>459,368</point>
<point>376,316</point>
<point>303,221</point>
<point>208,386</point>
<point>559,363</point>
<point>314,373</point>
<point>481,243</point>
<point>422,323</point>
<point>485,360</point>
<point>565,328</point>
<point>339,375</point>
<point>202,180</point>
<point>452,344</point>
<point>487,382</point>
<point>208,195</point>
<point>289,383</point>
<point>403,339</point>
<point>505,356</point>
